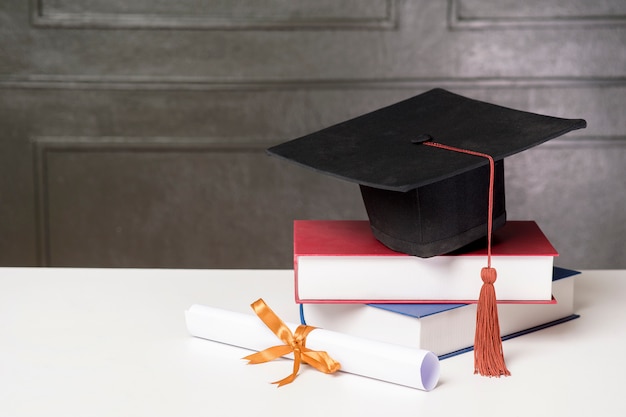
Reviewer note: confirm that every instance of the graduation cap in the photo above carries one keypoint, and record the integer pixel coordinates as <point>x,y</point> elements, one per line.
<point>420,200</point>
<point>430,168</point>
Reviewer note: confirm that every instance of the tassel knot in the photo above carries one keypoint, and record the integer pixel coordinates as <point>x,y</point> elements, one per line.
<point>488,275</point>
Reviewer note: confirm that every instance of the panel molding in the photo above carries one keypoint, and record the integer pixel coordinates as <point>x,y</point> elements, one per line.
<point>150,83</point>
<point>43,146</point>
<point>456,21</point>
<point>40,17</point>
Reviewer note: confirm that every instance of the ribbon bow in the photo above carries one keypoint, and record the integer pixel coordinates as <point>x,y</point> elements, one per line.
<point>295,343</point>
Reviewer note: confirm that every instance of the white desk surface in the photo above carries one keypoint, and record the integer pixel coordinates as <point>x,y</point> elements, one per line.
<point>113,342</point>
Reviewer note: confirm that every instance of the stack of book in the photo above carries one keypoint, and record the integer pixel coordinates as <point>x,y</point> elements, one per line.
<point>347,281</point>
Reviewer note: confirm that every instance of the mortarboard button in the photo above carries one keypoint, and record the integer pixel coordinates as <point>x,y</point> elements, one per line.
<point>421,139</point>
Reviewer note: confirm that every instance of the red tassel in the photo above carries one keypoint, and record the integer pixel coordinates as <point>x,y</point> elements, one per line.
<point>488,354</point>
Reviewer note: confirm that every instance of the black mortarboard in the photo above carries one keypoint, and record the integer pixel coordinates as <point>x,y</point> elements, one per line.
<point>421,200</point>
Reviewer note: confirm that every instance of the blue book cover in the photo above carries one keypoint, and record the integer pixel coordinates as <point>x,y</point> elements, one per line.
<point>516,334</point>
<point>420,310</point>
<point>423,310</point>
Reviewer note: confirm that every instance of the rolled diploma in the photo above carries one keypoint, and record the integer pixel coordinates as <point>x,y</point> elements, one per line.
<point>415,368</point>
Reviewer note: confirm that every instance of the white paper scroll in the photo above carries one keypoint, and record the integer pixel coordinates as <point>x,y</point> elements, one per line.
<point>415,368</point>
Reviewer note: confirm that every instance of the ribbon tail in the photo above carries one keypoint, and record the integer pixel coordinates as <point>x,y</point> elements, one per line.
<point>268,354</point>
<point>321,361</point>
<point>272,321</point>
<point>296,367</point>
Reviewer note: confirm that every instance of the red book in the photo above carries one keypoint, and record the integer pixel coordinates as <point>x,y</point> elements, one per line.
<point>342,262</point>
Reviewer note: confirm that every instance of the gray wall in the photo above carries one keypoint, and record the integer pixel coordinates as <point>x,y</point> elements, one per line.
<point>133,133</point>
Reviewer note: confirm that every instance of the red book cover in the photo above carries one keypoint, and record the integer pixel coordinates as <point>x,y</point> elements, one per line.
<point>341,261</point>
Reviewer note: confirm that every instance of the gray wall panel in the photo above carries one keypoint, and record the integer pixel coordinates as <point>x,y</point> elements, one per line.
<point>174,202</point>
<point>128,128</point>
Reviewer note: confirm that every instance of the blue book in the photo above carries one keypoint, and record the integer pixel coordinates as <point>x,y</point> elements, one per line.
<point>444,329</point>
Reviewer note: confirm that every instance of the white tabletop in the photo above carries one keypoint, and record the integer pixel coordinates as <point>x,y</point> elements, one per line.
<point>113,342</point>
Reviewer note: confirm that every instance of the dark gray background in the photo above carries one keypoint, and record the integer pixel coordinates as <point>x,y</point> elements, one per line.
<point>133,133</point>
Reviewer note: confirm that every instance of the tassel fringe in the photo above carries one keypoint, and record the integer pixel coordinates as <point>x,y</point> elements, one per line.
<point>488,353</point>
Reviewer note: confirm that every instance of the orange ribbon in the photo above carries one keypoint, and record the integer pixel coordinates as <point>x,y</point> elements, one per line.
<point>295,343</point>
